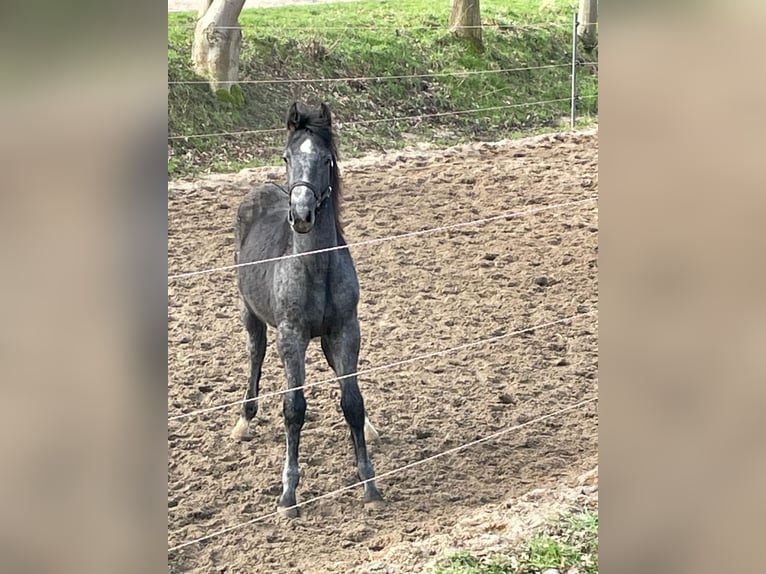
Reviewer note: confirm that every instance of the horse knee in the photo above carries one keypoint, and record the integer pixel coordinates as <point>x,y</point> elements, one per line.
<point>294,409</point>
<point>353,409</point>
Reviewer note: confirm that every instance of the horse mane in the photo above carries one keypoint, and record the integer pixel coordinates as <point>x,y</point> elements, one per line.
<point>318,121</point>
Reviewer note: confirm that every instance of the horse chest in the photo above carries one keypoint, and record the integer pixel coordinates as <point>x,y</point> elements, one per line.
<point>314,301</point>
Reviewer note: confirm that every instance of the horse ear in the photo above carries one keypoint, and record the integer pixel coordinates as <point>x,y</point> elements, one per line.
<point>325,110</point>
<point>293,117</point>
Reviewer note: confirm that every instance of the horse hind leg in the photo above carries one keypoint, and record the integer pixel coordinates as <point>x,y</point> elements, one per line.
<point>370,432</point>
<point>342,352</point>
<point>256,346</point>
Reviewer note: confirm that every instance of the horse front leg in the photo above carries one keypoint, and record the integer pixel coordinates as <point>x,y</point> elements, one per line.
<point>341,349</point>
<point>292,344</point>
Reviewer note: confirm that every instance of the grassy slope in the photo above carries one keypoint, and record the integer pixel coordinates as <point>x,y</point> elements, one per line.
<point>375,38</point>
<point>571,542</point>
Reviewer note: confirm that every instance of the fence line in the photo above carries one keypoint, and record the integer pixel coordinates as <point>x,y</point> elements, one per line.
<point>390,26</point>
<point>383,367</point>
<point>508,215</point>
<point>342,124</point>
<point>371,78</point>
<point>386,474</point>
<point>221,134</point>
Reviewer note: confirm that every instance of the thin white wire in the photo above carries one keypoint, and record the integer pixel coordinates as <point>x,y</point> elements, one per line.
<point>381,367</point>
<point>383,239</point>
<point>370,78</point>
<point>455,113</point>
<point>378,120</point>
<point>391,26</point>
<point>385,474</point>
<point>218,134</point>
<point>364,122</point>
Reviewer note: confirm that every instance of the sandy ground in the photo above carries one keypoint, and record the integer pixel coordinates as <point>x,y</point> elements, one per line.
<point>418,295</point>
<point>184,5</point>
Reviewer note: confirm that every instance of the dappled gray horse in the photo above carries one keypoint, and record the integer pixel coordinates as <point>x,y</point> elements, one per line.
<point>305,296</point>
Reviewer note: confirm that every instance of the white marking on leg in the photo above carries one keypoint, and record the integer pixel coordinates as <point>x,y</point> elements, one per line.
<point>285,477</point>
<point>286,469</point>
<point>241,430</point>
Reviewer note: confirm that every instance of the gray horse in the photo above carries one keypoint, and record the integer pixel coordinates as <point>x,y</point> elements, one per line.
<point>302,296</point>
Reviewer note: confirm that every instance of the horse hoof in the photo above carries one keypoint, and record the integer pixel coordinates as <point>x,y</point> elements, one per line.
<point>288,511</point>
<point>375,504</point>
<point>241,431</point>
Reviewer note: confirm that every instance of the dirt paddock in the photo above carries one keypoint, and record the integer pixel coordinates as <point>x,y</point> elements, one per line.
<point>418,295</point>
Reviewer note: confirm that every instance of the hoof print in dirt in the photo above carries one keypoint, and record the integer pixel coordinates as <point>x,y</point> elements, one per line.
<point>544,281</point>
<point>421,434</point>
<point>506,399</point>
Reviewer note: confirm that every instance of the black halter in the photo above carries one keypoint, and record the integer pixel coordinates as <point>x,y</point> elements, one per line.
<point>320,197</point>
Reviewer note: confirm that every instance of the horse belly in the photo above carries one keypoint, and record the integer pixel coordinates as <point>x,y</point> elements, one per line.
<point>255,290</point>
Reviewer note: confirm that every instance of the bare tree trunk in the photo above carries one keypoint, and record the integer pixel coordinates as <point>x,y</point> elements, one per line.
<point>465,20</point>
<point>587,18</point>
<point>202,8</point>
<point>217,42</point>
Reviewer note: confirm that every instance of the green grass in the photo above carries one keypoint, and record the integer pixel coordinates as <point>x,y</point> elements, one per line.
<point>376,38</point>
<point>570,542</point>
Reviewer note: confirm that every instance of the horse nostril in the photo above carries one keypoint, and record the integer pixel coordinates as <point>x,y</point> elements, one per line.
<point>310,217</point>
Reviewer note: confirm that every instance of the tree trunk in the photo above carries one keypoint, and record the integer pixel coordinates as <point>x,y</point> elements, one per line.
<point>465,20</point>
<point>216,46</point>
<point>587,18</point>
<point>202,8</point>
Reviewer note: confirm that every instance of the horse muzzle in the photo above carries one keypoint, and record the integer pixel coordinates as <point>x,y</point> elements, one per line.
<point>302,213</point>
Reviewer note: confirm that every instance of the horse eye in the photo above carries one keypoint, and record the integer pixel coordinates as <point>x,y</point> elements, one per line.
<point>284,158</point>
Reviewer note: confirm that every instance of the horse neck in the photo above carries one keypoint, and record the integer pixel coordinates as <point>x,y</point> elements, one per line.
<point>324,234</point>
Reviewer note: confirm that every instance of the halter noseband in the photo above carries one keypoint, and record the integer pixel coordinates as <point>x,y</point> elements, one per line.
<point>320,197</point>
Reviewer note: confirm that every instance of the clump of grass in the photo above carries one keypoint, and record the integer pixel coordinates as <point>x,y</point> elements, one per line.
<point>571,542</point>
<point>376,38</point>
